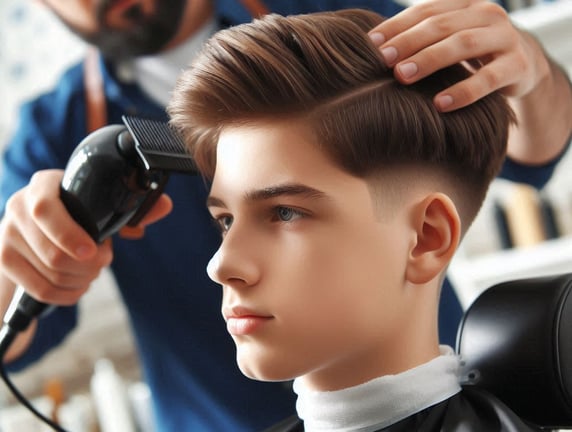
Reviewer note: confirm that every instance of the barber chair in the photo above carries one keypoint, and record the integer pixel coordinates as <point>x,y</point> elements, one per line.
<point>515,341</point>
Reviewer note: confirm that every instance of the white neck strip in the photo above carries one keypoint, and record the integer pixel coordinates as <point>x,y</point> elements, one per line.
<point>382,401</point>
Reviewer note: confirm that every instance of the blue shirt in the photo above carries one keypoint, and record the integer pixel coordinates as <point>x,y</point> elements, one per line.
<point>187,357</point>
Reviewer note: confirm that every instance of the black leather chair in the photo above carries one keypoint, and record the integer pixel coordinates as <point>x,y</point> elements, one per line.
<point>515,341</point>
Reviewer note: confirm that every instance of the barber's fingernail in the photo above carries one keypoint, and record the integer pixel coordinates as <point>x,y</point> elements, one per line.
<point>443,102</point>
<point>377,38</point>
<point>389,54</point>
<point>407,70</point>
<point>83,251</point>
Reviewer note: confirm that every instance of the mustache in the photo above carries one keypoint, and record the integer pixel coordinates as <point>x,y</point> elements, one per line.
<point>133,13</point>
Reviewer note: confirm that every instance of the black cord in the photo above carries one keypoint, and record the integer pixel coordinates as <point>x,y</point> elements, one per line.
<point>27,403</point>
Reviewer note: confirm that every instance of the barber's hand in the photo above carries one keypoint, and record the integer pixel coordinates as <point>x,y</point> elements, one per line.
<point>438,33</point>
<point>44,250</point>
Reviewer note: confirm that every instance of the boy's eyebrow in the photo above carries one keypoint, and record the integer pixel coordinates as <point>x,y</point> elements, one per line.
<point>284,189</point>
<point>273,192</point>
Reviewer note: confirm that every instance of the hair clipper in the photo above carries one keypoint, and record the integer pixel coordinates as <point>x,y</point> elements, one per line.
<point>113,178</point>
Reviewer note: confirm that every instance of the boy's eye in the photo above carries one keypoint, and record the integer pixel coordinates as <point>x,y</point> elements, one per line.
<point>224,223</point>
<point>287,214</point>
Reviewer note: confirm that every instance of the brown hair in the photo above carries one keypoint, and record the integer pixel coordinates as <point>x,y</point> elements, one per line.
<point>324,69</point>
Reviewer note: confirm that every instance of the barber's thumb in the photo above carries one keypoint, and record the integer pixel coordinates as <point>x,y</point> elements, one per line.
<point>162,208</point>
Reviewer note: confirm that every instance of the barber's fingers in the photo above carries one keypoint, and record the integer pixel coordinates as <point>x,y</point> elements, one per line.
<point>470,45</point>
<point>513,67</point>
<point>496,66</point>
<point>449,38</point>
<point>44,283</point>
<point>162,208</point>
<point>414,15</point>
<point>488,79</point>
<point>41,245</point>
<point>41,207</point>
<point>478,32</point>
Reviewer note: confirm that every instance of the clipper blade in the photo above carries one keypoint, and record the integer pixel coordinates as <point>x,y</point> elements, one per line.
<point>159,145</point>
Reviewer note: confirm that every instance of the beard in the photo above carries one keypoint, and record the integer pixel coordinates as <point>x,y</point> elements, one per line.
<point>147,34</point>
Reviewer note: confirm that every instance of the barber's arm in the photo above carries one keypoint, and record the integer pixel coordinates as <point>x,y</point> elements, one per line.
<point>544,111</point>
<point>435,34</point>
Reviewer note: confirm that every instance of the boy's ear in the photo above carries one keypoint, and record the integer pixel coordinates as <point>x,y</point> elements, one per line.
<point>437,232</point>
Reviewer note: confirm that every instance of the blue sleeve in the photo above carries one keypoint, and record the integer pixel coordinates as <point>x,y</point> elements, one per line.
<point>232,12</point>
<point>49,128</point>
<point>533,175</point>
<point>52,330</point>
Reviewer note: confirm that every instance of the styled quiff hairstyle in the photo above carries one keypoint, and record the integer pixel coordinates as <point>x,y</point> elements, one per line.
<point>323,69</point>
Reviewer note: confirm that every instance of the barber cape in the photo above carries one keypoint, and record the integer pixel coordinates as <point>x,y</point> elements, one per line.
<point>427,398</point>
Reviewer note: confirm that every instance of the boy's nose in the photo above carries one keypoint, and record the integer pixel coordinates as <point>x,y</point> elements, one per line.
<point>213,268</point>
<point>235,267</point>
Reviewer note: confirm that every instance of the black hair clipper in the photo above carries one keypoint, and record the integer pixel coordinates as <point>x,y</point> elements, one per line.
<point>113,178</point>
<point>118,172</point>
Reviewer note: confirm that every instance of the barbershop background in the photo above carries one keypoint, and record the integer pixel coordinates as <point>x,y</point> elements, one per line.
<point>520,232</point>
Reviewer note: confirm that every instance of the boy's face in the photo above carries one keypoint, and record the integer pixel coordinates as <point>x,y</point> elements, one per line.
<point>312,276</point>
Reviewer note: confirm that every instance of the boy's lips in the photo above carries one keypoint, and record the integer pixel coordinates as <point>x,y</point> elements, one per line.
<point>242,321</point>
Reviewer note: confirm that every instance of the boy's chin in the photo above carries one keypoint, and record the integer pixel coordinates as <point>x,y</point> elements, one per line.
<point>264,371</point>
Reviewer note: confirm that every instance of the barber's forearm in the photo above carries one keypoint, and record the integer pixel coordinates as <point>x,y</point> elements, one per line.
<point>544,118</point>
<point>23,340</point>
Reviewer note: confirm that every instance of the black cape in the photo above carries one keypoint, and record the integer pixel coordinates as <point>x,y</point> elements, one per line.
<point>470,410</point>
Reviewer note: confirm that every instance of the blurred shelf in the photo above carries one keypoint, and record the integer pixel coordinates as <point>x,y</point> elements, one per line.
<point>471,276</point>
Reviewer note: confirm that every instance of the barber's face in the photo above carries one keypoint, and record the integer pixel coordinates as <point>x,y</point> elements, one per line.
<point>122,28</point>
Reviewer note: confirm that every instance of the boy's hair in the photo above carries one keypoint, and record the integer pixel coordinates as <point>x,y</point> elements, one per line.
<point>323,69</point>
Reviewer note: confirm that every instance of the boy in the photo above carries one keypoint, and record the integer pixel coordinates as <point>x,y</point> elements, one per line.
<point>341,196</point>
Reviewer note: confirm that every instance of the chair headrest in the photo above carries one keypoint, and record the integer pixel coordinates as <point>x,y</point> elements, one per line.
<point>515,341</point>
